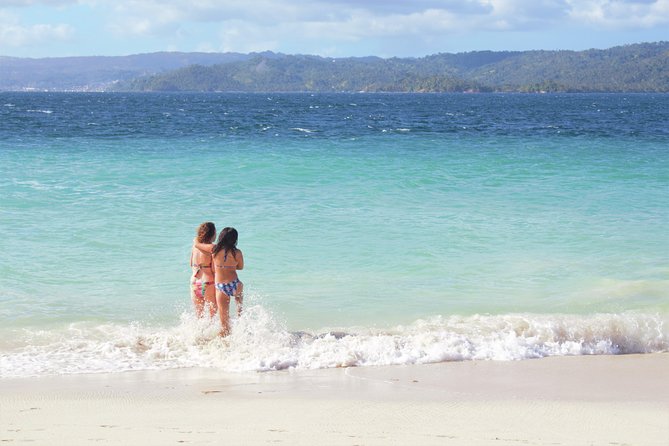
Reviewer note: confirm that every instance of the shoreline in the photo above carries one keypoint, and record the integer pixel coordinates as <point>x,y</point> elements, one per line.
<point>571,400</point>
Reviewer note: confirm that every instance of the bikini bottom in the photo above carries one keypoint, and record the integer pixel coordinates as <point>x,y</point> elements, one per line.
<point>199,287</point>
<point>228,288</point>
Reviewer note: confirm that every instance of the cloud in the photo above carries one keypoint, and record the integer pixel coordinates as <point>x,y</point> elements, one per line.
<point>25,3</point>
<point>239,36</point>
<point>519,15</point>
<point>347,18</point>
<point>621,14</point>
<point>311,25</point>
<point>155,16</point>
<point>14,34</point>
<point>160,17</point>
<point>381,17</point>
<point>409,7</point>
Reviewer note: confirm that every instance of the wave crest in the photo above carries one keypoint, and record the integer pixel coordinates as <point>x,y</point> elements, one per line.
<point>259,343</point>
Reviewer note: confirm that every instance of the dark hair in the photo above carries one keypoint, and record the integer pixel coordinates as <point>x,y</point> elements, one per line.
<point>227,242</point>
<point>206,232</point>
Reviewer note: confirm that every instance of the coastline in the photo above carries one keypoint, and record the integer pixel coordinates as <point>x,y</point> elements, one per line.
<point>589,400</point>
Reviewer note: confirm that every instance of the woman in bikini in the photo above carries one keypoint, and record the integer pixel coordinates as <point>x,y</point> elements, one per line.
<point>202,290</point>
<point>227,261</point>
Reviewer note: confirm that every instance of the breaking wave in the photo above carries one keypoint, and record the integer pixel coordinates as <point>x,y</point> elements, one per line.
<point>259,343</point>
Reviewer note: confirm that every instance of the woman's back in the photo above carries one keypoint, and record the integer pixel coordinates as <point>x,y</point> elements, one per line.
<point>202,265</point>
<point>226,264</point>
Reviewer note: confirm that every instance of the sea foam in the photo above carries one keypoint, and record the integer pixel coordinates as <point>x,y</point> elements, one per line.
<point>258,342</point>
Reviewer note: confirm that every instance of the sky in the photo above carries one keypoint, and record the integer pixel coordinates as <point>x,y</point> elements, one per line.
<point>330,28</point>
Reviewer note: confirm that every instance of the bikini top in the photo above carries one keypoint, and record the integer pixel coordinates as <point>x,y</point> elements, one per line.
<point>225,257</point>
<point>199,266</point>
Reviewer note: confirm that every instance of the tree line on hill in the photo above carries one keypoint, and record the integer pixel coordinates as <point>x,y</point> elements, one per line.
<point>642,67</point>
<point>631,68</point>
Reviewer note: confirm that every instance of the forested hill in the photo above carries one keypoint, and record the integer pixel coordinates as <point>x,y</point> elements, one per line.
<point>97,73</point>
<point>642,67</point>
<point>631,68</point>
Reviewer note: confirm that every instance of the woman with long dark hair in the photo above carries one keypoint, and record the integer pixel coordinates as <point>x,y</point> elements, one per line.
<point>227,260</point>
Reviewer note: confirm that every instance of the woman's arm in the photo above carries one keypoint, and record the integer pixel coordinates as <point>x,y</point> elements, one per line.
<point>240,260</point>
<point>206,248</point>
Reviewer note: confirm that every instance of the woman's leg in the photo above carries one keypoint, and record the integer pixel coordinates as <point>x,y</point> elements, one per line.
<point>239,298</point>
<point>197,297</point>
<point>223,303</point>
<point>210,299</point>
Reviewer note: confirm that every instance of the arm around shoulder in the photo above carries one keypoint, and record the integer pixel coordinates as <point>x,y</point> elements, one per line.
<point>207,248</point>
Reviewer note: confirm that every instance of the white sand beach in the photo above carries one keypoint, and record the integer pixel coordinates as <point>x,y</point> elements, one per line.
<point>585,400</point>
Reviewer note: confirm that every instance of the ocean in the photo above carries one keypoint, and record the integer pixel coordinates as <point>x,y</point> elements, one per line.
<point>377,229</point>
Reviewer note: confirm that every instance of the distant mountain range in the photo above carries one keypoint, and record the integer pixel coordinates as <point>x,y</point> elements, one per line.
<point>99,73</point>
<point>640,67</point>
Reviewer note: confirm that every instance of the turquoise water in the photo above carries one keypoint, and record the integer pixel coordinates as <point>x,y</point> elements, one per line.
<point>422,227</point>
